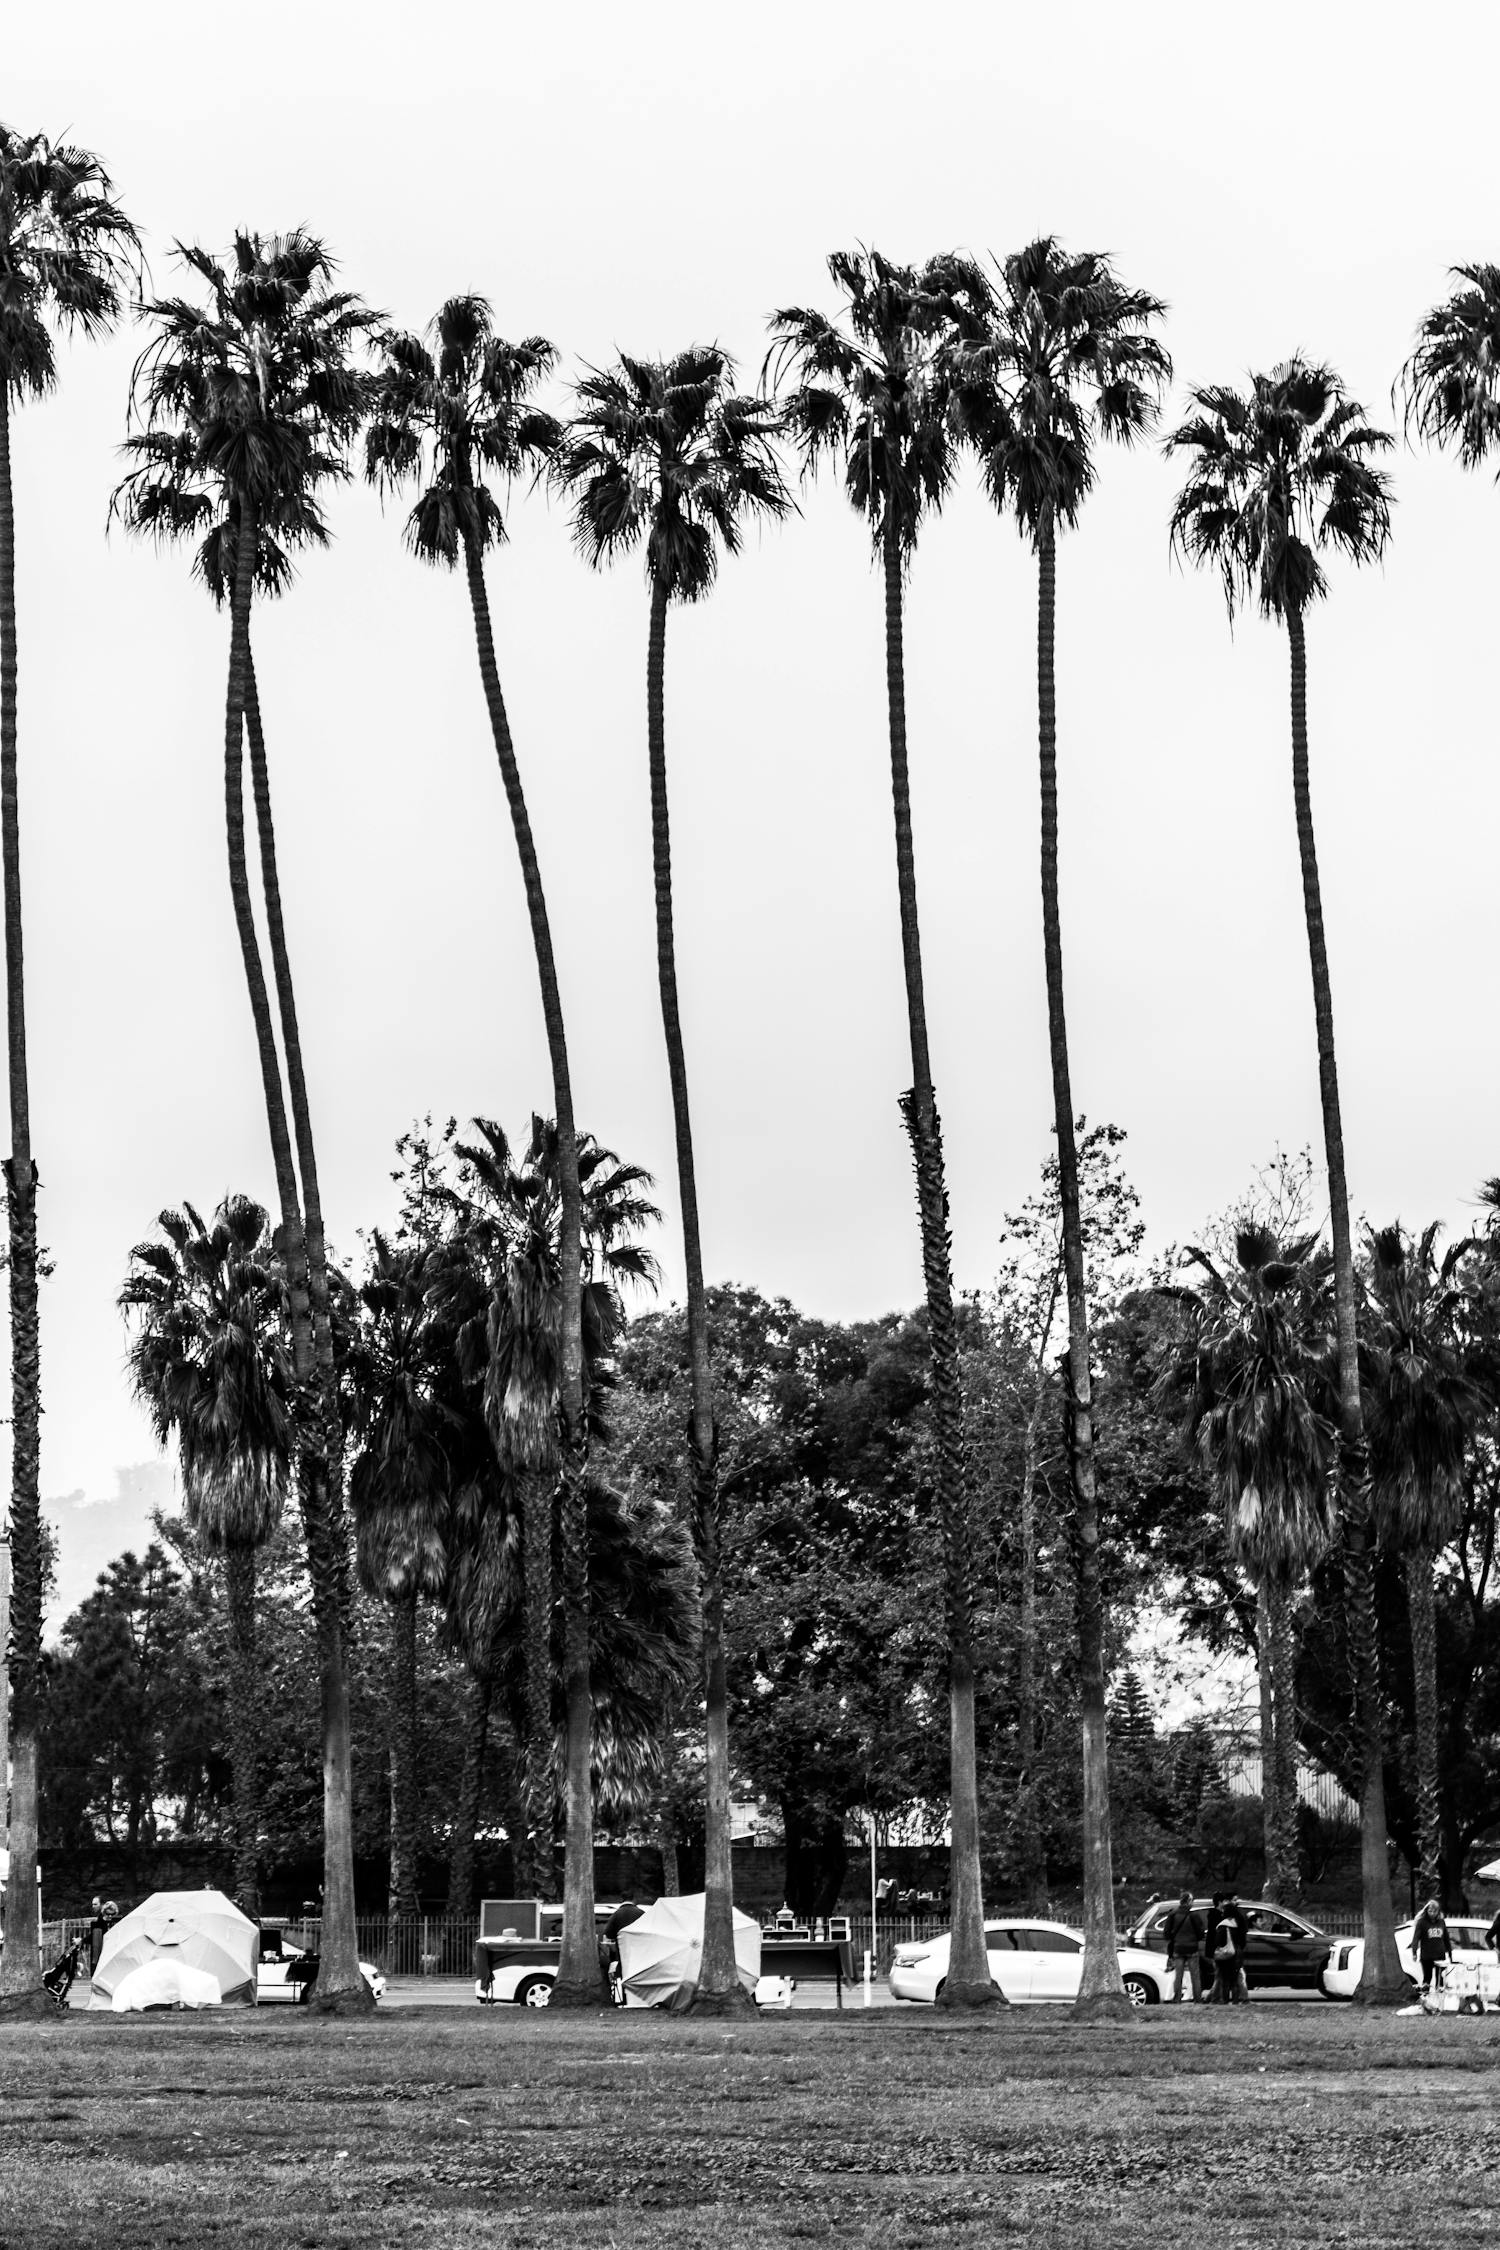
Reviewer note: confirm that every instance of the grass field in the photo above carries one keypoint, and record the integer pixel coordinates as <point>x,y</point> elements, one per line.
<point>1261,2126</point>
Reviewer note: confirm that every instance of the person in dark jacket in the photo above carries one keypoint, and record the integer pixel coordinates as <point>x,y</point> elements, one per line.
<point>1431,1943</point>
<point>1184,1935</point>
<point>1228,1936</point>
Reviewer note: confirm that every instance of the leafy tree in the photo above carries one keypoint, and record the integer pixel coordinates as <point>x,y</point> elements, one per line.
<point>208,1360</point>
<point>65,246</point>
<point>1277,477</point>
<point>1027,1298</point>
<point>1053,356</point>
<point>247,405</point>
<point>1421,1403</point>
<point>666,452</point>
<point>447,418</point>
<point>868,392</point>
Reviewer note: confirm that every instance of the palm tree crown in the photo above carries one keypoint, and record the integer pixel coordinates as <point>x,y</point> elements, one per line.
<point>209,1362</point>
<point>1420,1398</point>
<point>1253,1380</point>
<point>1450,386</point>
<point>667,451</point>
<point>66,248</point>
<point>1282,474</point>
<point>872,388</point>
<point>449,412</point>
<point>248,402</point>
<point>1052,353</point>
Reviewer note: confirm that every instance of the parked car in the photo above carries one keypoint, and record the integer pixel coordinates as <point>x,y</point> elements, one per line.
<point>1032,1962</point>
<point>1347,1965</point>
<point>286,1970</point>
<point>1284,1948</point>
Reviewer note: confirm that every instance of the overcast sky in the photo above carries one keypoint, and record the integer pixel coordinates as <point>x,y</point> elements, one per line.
<point>644,179</point>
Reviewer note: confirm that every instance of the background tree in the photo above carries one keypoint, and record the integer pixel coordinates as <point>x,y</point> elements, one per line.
<point>666,453</point>
<point>449,418</point>
<point>1053,356</point>
<point>1277,477</point>
<point>868,392</point>
<point>1250,1377</point>
<point>65,248</point>
<point>258,393</point>
<point>1421,1403</point>
<point>209,1361</point>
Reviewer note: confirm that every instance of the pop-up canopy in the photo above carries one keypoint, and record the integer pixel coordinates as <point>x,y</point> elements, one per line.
<point>198,1929</point>
<point>1489,1873</point>
<point>660,1954</point>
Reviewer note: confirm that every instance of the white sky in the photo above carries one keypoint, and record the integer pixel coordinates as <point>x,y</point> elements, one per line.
<point>643,179</point>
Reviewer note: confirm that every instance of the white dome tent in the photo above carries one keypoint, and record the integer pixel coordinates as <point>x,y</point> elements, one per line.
<point>194,1930</point>
<point>660,1953</point>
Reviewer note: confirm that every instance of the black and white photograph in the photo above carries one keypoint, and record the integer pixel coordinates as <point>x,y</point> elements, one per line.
<point>750,1480</point>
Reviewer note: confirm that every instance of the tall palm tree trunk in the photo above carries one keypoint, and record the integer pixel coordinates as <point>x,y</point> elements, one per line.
<point>340,1985</point>
<point>244,1724</point>
<point>969,1983</point>
<point>401,1897</point>
<point>718,1988</point>
<point>1031,1853</point>
<point>580,1977</point>
<point>307,1159</point>
<point>537,1789</point>
<point>1382,1983</point>
<point>338,1970</point>
<point>20,1984</point>
<point>1422,1610</point>
<point>1100,1991</point>
<point>470,1786</point>
<point>1270,1771</point>
<point>1284,1681</point>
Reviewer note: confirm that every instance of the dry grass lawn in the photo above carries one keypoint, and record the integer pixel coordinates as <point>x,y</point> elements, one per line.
<point>1268,2126</point>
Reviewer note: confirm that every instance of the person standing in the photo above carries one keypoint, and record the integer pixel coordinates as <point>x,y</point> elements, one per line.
<point>1184,1935</point>
<point>1229,1934</point>
<point>1431,1943</point>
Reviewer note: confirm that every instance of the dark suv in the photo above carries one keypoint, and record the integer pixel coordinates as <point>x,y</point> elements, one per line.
<point>1284,1949</point>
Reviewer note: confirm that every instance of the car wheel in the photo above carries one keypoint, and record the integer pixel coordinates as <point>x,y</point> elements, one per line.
<point>940,1991</point>
<point>1142,1992</point>
<point>536,1992</point>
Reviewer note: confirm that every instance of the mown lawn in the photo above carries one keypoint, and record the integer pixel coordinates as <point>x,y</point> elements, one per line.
<point>1265,2126</point>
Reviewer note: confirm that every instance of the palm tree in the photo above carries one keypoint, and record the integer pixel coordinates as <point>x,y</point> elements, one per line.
<point>208,1360</point>
<point>869,392</point>
<point>498,1285</point>
<point>1421,1402</point>
<point>1250,1376</point>
<point>1280,475</point>
<point>246,406</point>
<point>65,245</point>
<point>448,418</point>
<point>665,452</point>
<point>398,1376</point>
<point>1052,356</point>
<point>1450,386</point>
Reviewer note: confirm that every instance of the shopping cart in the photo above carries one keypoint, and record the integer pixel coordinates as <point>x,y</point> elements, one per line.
<point>1463,1988</point>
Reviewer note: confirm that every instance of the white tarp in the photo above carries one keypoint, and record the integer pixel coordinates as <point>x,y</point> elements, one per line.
<point>660,1954</point>
<point>198,1929</point>
<point>165,1983</point>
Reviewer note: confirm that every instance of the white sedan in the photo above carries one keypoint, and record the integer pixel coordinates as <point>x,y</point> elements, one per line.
<point>275,1980</point>
<point>1347,1960</point>
<point>1032,1962</point>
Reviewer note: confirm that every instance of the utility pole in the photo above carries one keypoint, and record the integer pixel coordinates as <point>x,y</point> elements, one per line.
<point>4,1691</point>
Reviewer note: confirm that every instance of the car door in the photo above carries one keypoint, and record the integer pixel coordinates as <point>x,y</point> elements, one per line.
<point>1056,1964</point>
<point>1281,1951</point>
<point>1010,1962</point>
